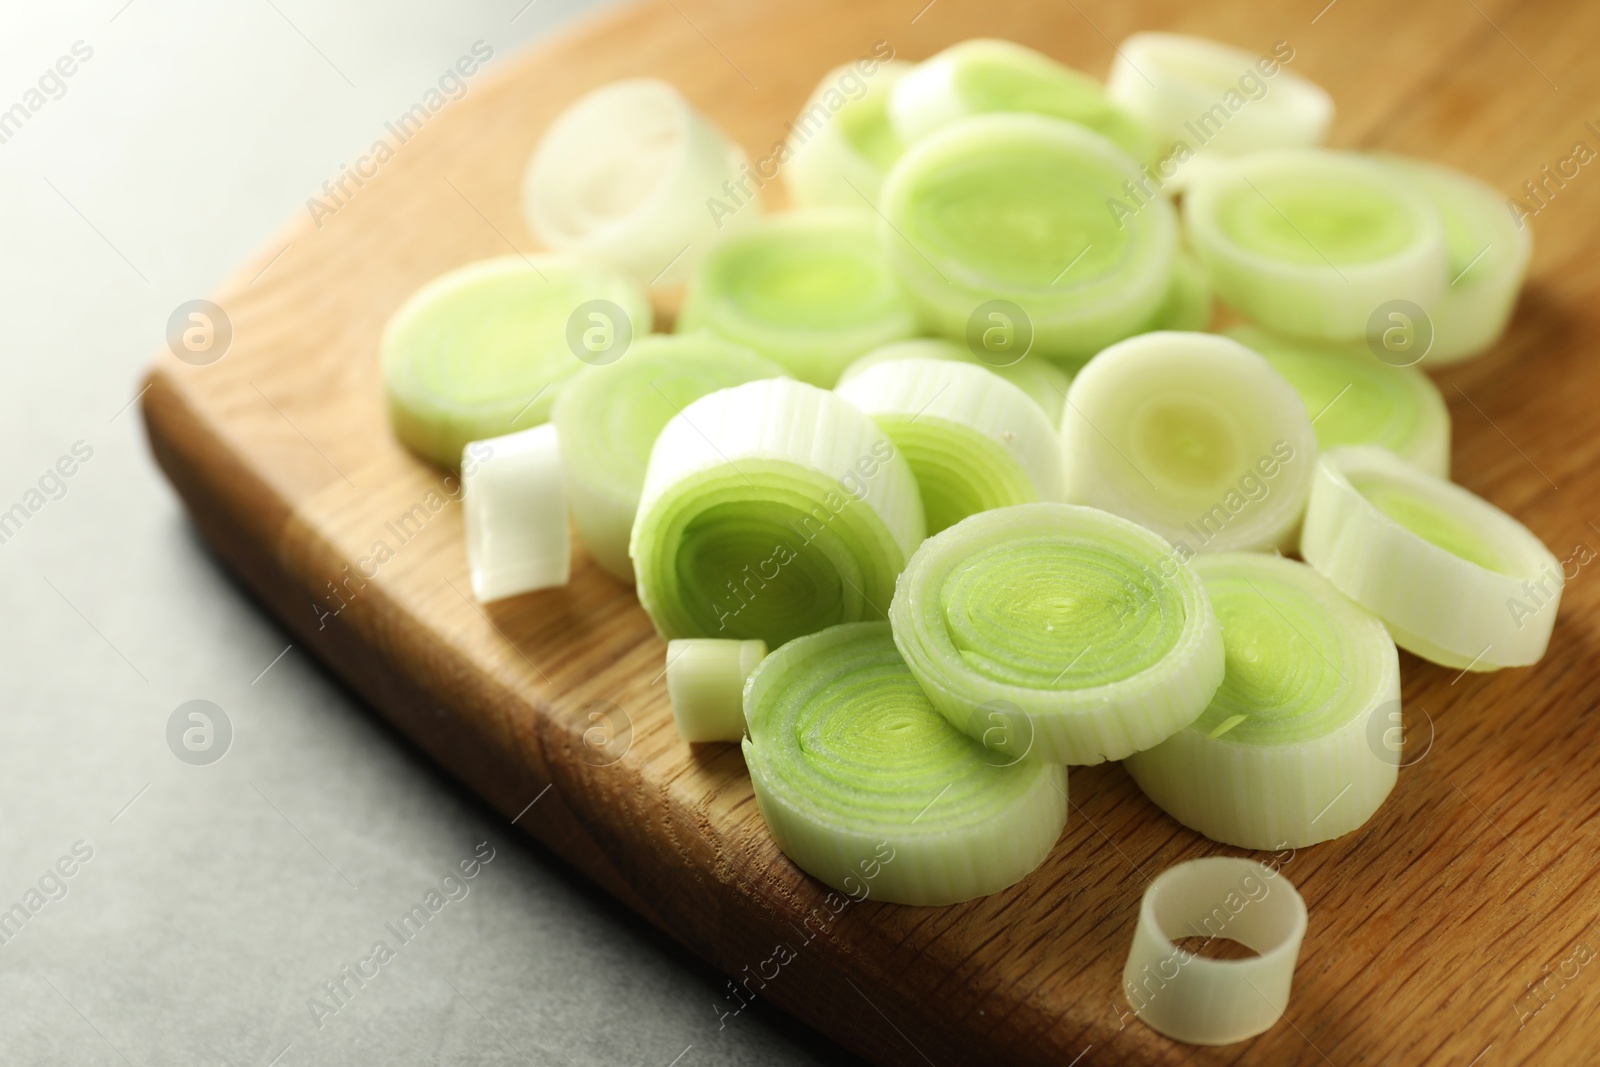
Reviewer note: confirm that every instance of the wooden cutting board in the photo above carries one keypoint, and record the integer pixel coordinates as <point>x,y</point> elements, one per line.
<point>1428,927</point>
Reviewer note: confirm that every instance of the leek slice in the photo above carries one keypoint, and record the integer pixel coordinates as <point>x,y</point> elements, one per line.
<point>1312,243</point>
<point>1012,208</point>
<point>1202,1001</point>
<point>1194,436</point>
<point>973,440</point>
<point>770,510</point>
<point>1283,757</point>
<point>837,158</point>
<point>809,290</point>
<point>1045,383</point>
<point>1056,631</point>
<point>608,417</point>
<point>705,679</point>
<point>984,75</point>
<point>1489,251</point>
<point>867,789</point>
<point>1457,580</point>
<point>630,176</point>
<point>516,514</point>
<point>1200,98</point>
<point>1355,398</point>
<point>485,349</point>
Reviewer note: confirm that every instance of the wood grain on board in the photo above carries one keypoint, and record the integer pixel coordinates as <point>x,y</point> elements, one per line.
<point>1435,930</point>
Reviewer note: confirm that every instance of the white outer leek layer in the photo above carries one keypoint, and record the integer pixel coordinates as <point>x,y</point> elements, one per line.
<point>516,514</point>
<point>705,679</point>
<point>1483,613</point>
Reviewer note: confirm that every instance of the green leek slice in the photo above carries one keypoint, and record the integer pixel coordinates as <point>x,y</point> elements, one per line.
<point>1012,208</point>
<point>1355,398</point>
<point>1488,250</point>
<point>629,176</point>
<point>984,76</point>
<point>1194,436</point>
<point>1311,243</point>
<point>705,679</point>
<point>1058,632</point>
<point>838,153</point>
<point>973,440</point>
<point>1457,580</point>
<point>809,290</point>
<point>1200,98</point>
<point>865,787</point>
<point>484,350</point>
<point>1187,305</point>
<point>1284,755</point>
<point>1046,383</point>
<point>608,417</point>
<point>770,510</point>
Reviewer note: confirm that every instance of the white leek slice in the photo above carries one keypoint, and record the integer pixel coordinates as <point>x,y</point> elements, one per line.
<point>974,441</point>
<point>1194,436</point>
<point>608,417</point>
<point>1006,215</point>
<point>1284,756</point>
<point>1489,251</point>
<point>1311,243</point>
<point>484,350</point>
<point>516,514</point>
<point>809,290</point>
<point>1457,580</point>
<point>841,146</point>
<point>770,510</point>
<point>1058,632</point>
<point>867,789</point>
<point>1203,98</point>
<point>1355,398</point>
<point>1202,1001</point>
<point>984,75</point>
<point>705,679</point>
<point>1046,383</point>
<point>632,176</point>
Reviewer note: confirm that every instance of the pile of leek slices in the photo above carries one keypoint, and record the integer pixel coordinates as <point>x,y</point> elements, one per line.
<point>941,484</point>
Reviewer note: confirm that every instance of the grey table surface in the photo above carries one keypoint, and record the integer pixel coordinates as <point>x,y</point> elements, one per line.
<point>209,904</point>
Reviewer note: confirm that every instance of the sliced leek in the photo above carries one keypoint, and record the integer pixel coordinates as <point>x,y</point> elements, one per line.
<point>1457,580</point>
<point>982,76</point>
<point>1001,221</point>
<point>1312,243</point>
<point>609,416</point>
<point>842,145</point>
<point>867,789</point>
<point>1202,98</point>
<point>1058,632</point>
<point>1194,436</point>
<point>705,679</point>
<point>631,176</point>
<point>809,290</point>
<point>974,441</point>
<point>1355,398</point>
<point>485,349</point>
<point>516,514</point>
<point>1488,249</point>
<point>1284,755</point>
<point>1045,383</point>
<point>1202,1001</point>
<point>770,510</point>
